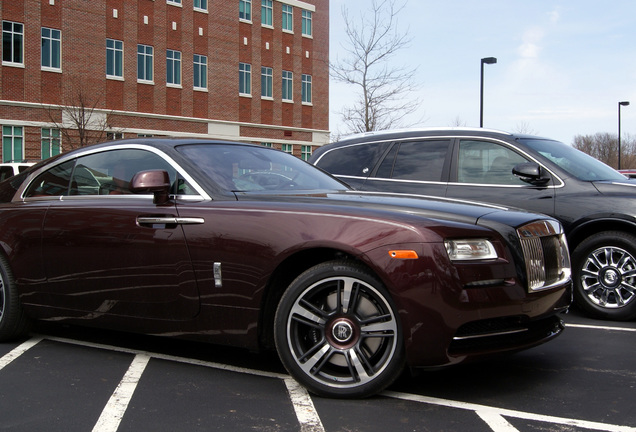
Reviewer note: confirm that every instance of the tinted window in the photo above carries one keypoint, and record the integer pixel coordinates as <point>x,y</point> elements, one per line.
<point>417,160</point>
<point>240,168</point>
<point>354,160</point>
<point>580,165</point>
<point>53,182</point>
<point>6,172</point>
<point>487,162</point>
<point>105,173</point>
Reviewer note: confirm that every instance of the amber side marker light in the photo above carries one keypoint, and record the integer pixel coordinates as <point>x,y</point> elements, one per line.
<point>403,254</point>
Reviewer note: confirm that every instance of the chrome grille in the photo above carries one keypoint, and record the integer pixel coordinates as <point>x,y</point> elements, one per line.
<point>545,253</point>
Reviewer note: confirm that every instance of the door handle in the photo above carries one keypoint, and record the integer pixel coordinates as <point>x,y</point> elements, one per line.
<point>167,220</point>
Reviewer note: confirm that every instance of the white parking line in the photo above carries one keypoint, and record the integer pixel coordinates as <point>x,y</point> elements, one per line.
<point>118,403</point>
<point>18,351</point>
<point>496,422</point>
<point>304,407</point>
<point>509,413</point>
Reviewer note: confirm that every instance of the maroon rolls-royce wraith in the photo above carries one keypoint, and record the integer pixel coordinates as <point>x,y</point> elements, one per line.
<point>247,246</point>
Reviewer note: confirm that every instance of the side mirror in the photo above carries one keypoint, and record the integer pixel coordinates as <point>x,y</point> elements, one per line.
<point>530,172</point>
<point>156,182</point>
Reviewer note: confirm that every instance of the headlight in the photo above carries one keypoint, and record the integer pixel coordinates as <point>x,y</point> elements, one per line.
<point>470,249</point>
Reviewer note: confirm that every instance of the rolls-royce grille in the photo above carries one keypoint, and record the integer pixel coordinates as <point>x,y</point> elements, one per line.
<point>546,254</point>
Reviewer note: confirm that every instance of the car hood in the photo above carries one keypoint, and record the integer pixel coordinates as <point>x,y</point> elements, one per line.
<point>431,208</point>
<point>613,187</point>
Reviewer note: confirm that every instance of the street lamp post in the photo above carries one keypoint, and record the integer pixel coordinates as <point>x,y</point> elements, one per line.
<point>487,60</point>
<point>620,104</point>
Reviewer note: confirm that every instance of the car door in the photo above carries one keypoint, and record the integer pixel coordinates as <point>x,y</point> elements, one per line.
<point>417,167</point>
<point>482,171</point>
<point>108,251</point>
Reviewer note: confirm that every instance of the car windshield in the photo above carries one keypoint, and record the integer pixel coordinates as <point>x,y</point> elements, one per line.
<point>242,168</point>
<point>575,162</point>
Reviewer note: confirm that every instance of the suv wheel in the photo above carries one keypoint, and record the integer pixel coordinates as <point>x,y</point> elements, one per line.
<point>605,275</point>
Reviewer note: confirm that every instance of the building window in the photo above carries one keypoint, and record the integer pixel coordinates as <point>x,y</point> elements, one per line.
<point>144,63</point>
<point>114,58</point>
<point>201,5</point>
<point>288,148</point>
<point>12,144</point>
<point>245,10</point>
<point>112,136</point>
<point>267,78</point>
<point>288,86</point>
<point>267,13</point>
<point>51,48</point>
<point>267,144</point>
<point>307,23</point>
<point>306,89</point>
<point>245,79</point>
<point>173,67</point>
<point>305,152</point>
<point>51,144</point>
<point>174,2</point>
<point>12,43</point>
<point>200,72</point>
<point>288,18</point>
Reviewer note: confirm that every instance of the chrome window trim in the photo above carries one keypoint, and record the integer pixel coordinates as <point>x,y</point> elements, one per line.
<point>558,179</point>
<point>201,194</point>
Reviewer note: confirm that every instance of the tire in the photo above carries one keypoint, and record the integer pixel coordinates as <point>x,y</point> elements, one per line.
<point>604,273</point>
<point>338,333</point>
<point>13,322</point>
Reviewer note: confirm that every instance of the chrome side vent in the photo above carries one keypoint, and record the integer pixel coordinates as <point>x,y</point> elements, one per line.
<point>546,254</point>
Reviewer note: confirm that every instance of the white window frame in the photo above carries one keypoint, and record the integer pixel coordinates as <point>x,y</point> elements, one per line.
<point>245,78</point>
<point>306,89</point>
<point>305,152</point>
<point>117,54</point>
<point>13,138</point>
<point>200,63</point>
<point>287,90</point>
<point>288,18</point>
<point>202,5</point>
<point>174,3</point>
<point>307,23</point>
<point>267,13</point>
<point>52,138</point>
<point>13,33</point>
<point>52,42</point>
<point>267,78</point>
<point>173,64</point>
<point>145,55</point>
<point>247,11</point>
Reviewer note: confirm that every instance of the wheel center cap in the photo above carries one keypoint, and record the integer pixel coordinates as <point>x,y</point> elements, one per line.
<point>342,331</point>
<point>611,277</point>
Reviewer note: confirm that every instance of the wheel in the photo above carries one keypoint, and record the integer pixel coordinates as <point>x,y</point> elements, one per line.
<point>604,269</point>
<point>13,322</point>
<point>337,331</point>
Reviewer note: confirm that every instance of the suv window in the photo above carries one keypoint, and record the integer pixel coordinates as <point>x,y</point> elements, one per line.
<point>354,160</point>
<point>487,162</point>
<point>415,160</point>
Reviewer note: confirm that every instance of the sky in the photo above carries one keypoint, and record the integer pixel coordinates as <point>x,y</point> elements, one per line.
<point>562,65</point>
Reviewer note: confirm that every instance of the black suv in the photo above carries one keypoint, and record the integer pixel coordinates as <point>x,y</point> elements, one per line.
<point>595,203</point>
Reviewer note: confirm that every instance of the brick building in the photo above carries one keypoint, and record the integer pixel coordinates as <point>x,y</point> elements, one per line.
<point>77,71</point>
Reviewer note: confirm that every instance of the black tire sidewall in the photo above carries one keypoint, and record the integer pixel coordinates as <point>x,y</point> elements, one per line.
<point>13,322</point>
<point>616,239</point>
<point>295,289</point>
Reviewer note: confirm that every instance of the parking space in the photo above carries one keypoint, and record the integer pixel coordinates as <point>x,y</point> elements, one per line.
<point>79,380</point>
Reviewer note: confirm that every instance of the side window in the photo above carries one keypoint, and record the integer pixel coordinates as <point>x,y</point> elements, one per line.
<point>354,160</point>
<point>487,163</point>
<point>53,182</point>
<point>419,160</point>
<point>110,172</point>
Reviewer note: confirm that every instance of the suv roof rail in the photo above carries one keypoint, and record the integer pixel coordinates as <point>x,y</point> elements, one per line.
<point>421,129</point>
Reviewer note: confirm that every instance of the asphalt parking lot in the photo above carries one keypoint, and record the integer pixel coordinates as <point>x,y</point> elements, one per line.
<point>72,379</point>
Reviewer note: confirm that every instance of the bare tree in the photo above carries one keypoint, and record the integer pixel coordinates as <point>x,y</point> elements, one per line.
<point>382,88</point>
<point>604,147</point>
<point>525,128</point>
<point>78,118</point>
